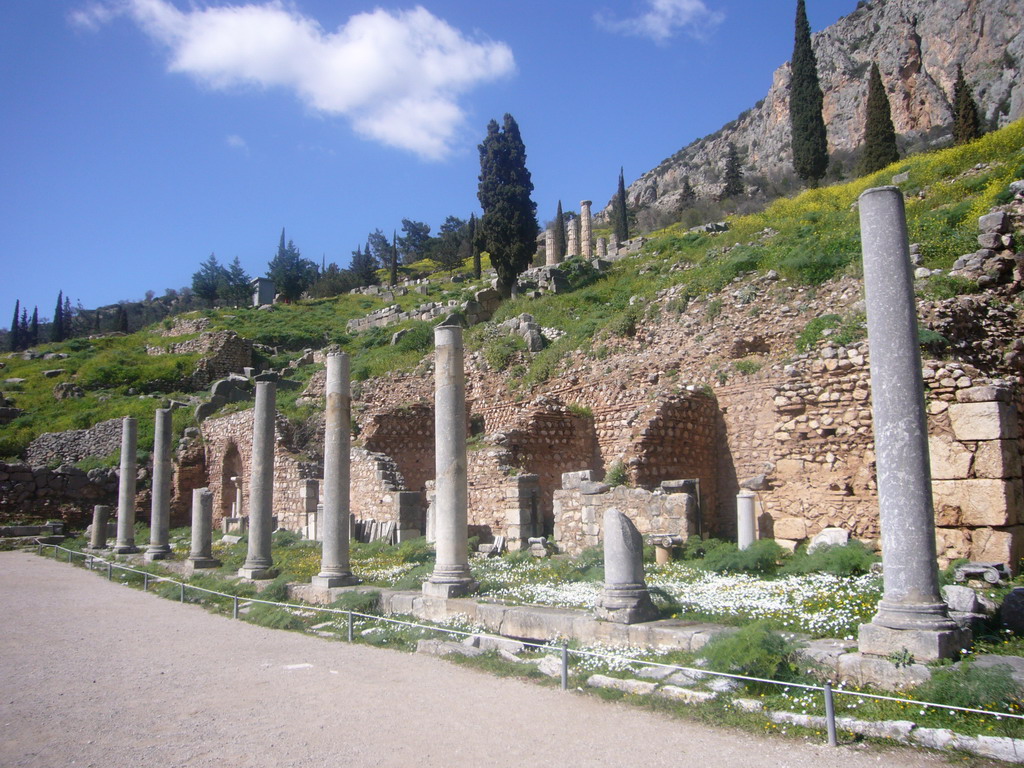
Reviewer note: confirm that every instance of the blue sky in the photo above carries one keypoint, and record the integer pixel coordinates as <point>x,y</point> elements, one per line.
<point>139,136</point>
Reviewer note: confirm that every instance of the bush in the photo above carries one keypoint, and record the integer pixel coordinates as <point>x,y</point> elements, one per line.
<point>616,474</point>
<point>853,559</point>
<point>272,617</point>
<point>945,286</point>
<point>503,351</point>
<point>761,557</point>
<point>812,332</point>
<point>756,651</point>
<point>967,685</point>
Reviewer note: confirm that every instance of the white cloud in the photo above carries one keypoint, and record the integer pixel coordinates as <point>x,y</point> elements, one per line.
<point>396,76</point>
<point>235,141</point>
<point>663,19</point>
<point>92,16</point>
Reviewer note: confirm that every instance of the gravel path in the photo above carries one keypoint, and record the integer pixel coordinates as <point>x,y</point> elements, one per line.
<point>95,674</point>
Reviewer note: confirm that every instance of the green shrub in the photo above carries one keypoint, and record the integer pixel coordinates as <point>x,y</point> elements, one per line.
<point>272,617</point>
<point>714,309</point>
<point>852,559</point>
<point>616,474</point>
<point>747,366</point>
<point>761,557</point>
<point>503,351</point>
<point>932,341</point>
<point>944,286</point>
<point>967,685</point>
<point>755,651</point>
<point>416,551</point>
<point>360,602</point>
<point>812,332</point>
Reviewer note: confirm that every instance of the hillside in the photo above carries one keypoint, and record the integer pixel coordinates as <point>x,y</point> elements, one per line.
<point>917,45</point>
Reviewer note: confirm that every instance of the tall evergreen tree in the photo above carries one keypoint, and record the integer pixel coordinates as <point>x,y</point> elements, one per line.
<point>363,267</point>
<point>687,196</point>
<point>472,239</point>
<point>733,174</point>
<point>58,332</point>
<point>69,318</point>
<point>33,328</point>
<point>879,134</point>
<point>509,222</point>
<point>236,288</point>
<point>809,141</point>
<point>23,333</point>
<point>15,339</point>
<point>620,212</point>
<point>560,245</point>
<point>966,122</point>
<point>291,273</point>
<point>393,258</point>
<point>209,280</point>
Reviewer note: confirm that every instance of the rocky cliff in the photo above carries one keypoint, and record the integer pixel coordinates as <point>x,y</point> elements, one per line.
<point>917,45</point>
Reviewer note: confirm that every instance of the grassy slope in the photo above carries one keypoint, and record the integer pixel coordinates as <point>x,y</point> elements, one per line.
<point>808,239</point>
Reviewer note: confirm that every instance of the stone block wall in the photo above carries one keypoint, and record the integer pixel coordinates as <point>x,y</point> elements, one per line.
<point>75,444</point>
<point>376,484</point>
<point>223,352</point>
<point>36,493</point>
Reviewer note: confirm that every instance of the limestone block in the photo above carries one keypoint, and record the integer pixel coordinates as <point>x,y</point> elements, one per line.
<point>950,460</point>
<point>789,467</point>
<point>790,528</point>
<point>990,545</point>
<point>997,459</point>
<point>978,502</point>
<point>829,537</point>
<point>952,544</point>
<point>991,420</point>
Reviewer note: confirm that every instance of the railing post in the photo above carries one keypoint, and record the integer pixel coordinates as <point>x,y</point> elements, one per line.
<point>39,548</point>
<point>830,716</point>
<point>234,607</point>
<point>565,666</point>
<point>70,554</point>
<point>350,626</point>
<point>181,593</point>
<point>110,571</point>
<point>145,582</point>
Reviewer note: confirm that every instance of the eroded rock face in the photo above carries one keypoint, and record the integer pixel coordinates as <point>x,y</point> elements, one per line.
<point>917,45</point>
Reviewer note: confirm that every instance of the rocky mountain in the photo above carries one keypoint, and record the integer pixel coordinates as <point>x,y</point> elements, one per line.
<point>917,45</point>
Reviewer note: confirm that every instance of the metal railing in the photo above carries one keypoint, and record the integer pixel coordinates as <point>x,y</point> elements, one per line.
<point>826,689</point>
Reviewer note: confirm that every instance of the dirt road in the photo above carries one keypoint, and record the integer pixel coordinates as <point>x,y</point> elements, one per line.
<point>95,674</point>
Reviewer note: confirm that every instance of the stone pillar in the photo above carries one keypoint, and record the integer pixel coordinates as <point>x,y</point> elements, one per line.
<point>160,509</point>
<point>625,599</point>
<point>451,576</point>
<point>238,496</point>
<point>550,257</point>
<point>613,245</point>
<point>100,516</point>
<point>586,245</point>
<point>125,544</point>
<point>602,248</point>
<point>334,562</point>
<point>911,614</point>
<point>745,527</point>
<point>201,555</point>
<point>259,561</point>
<point>573,246</point>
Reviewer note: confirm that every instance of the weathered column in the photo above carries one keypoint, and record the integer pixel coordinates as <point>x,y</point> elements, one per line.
<point>125,544</point>
<point>745,526</point>
<point>201,555</point>
<point>625,599</point>
<point>602,248</point>
<point>586,246</point>
<point>334,562</point>
<point>258,560</point>
<point>613,245</point>
<point>573,246</point>
<point>911,614</point>
<point>550,257</point>
<point>160,509</point>
<point>451,576</point>
<point>238,496</point>
<point>100,516</point>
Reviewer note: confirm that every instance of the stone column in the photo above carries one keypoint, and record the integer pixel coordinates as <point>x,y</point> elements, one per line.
<point>911,614</point>
<point>602,248</point>
<point>613,245</point>
<point>236,505</point>
<point>573,246</point>
<point>201,555</point>
<point>100,516</point>
<point>160,509</point>
<point>586,246</point>
<point>334,562</point>
<point>625,599</point>
<point>125,544</point>
<point>550,257</point>
<point>745,525</point>
<point>259,561</point>
<point>451,576</point>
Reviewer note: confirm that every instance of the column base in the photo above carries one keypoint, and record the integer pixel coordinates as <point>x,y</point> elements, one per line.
<point>201,564</point>
<point>157,553</point>
<point>629,604</point>
<point>922,644</point>
<point>446,589</point>
<point>259,573</point>
<point>125,549</point>
<point>331,580</point>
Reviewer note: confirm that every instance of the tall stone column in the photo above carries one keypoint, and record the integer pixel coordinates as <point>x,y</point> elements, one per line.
<point>100,515</point>
<point>201,555</point>
<point>550,257</point>
<point>335,570</point>
<point>259,561</point>
<point>586,246</point>
<point>573,246</point>
<point>125,544</point>
<point>160,509</point>
<point>745,525</point>
<point>911,614</point>
<point>451,576</point>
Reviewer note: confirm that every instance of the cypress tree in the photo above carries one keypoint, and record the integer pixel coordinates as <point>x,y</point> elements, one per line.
<point>473,236</point>
<point>966,123</point>
<point>561,246</point>
<point>733,174</point>
<point>15,340</point>
<point>879,134</point>
<point>69,318</point>
<point>620,212</point>
<point>33,328</point>
<point>686,194</point>
<point>23,337</point>
<point>809,141</point>
<point>393,279</point>
<point>508,227</point>
<point>58,319</point>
